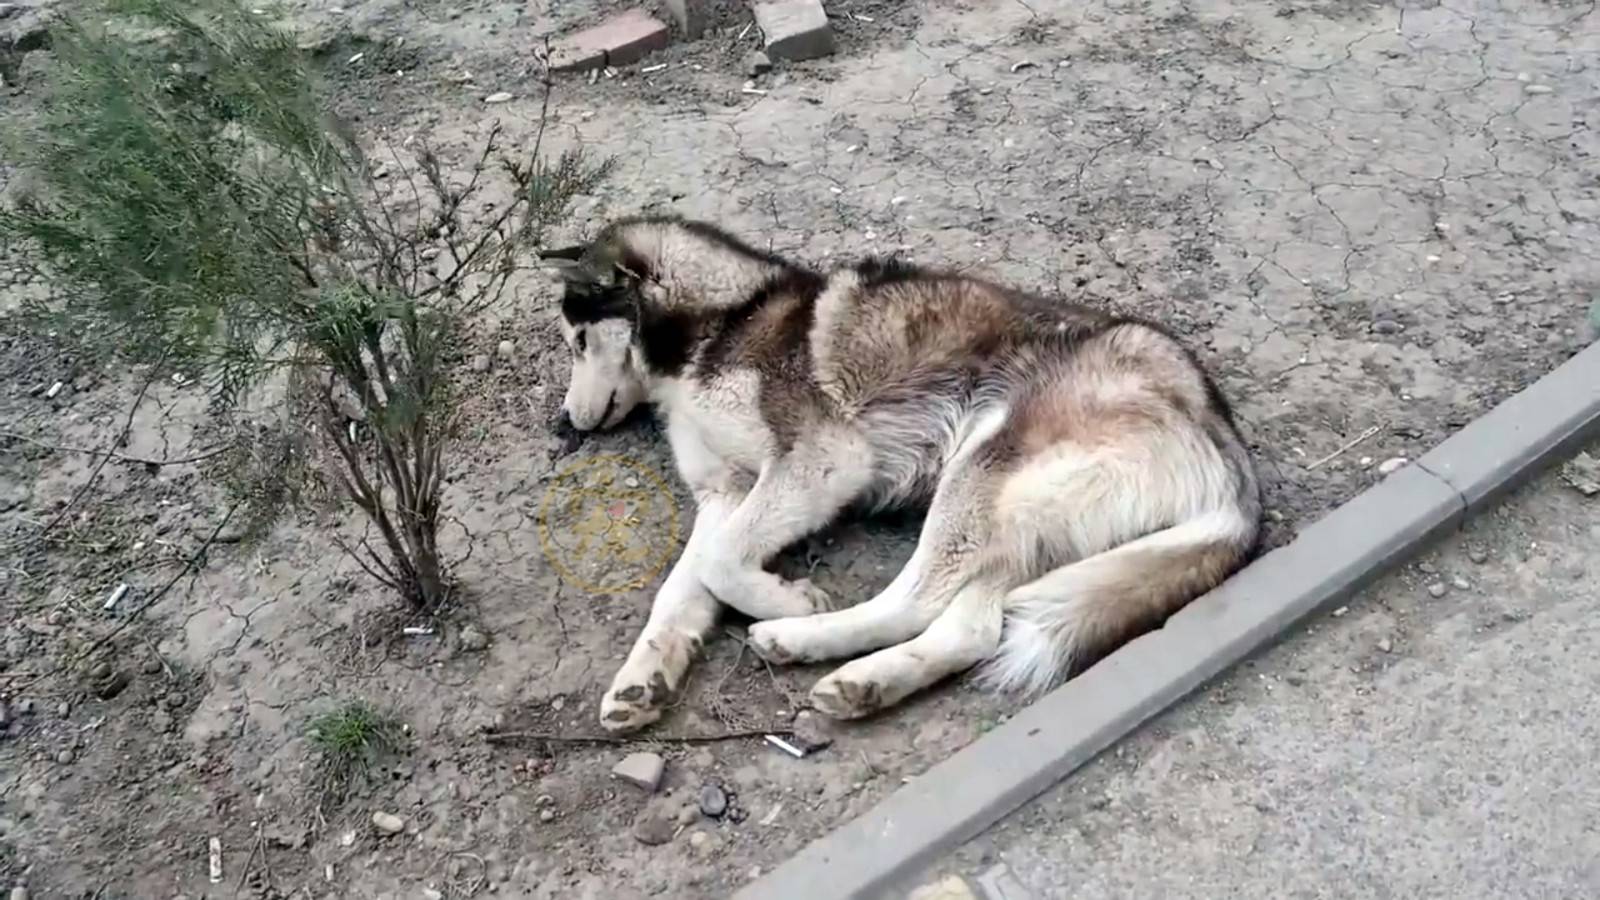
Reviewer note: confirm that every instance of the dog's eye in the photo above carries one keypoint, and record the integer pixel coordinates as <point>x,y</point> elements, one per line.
<point>581,341</point>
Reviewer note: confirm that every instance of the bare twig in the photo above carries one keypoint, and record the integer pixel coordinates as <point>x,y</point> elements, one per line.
<point>1344,449</point>
<point>192,563</point>
<point>119,457</point>
<point>505,737</point>
<point>110,451</point>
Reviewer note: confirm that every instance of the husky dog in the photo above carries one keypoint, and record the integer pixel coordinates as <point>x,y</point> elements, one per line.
<point>1082,475</point>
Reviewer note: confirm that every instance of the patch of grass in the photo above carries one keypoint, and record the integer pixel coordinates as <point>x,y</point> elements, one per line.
<point>353,741</point>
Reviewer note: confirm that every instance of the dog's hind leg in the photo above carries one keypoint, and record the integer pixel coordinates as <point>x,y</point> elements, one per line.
<point>966,632</point>
<point>795,495</point>
<point>956,524</point>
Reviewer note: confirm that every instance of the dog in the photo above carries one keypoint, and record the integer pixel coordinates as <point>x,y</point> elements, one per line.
<point>1082,475</point>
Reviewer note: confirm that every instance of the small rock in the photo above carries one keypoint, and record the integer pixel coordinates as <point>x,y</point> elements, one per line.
<point>64,757</point>
<point>794,29</point>
<point>654,827</point>
<point>161,722</point>
<point>701,843</point>
<point>481,363</point>
<point>1539,89</point>
<point>1436,590</point>
<point>473,640</point>
<point>19,892</point>
<point>1460,584</point>
<point>641,769</point>
<point>1391,465</point>
<point>388,823</point>
<point>25,707</point>
<point>101,670</point>
<point>431,894</point>
<point>110,687</point>
<point>1386,645</point>
<point>1387,326</point>
<point>1340,612</point>
<point>713,801</point>
<point>498,97</point>
<point>151,666</point>
<point>547,815</point>
<point>1478,555</point>
<point>757,63</point>
<point>64,709</point>
<point>951,887</point>
<point>506,349</point>
<point>810,732</point>
<point>173,700</point>
<point>55,617</point>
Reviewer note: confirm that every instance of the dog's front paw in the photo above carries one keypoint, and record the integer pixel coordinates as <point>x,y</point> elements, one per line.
<point>842,698</point>
<point>631,706</point>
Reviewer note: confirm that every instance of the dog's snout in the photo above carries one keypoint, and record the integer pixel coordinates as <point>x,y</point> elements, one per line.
<point>563,423</point>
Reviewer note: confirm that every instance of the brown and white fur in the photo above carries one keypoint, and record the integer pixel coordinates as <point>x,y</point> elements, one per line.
<point>1082,475</point>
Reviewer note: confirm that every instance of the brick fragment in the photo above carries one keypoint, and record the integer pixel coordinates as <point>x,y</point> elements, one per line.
<point>691,15</point>
<point>794,29</point>
<point>617,41</point>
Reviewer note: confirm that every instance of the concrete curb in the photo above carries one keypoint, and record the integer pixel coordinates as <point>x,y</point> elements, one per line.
<point>1326,562</point>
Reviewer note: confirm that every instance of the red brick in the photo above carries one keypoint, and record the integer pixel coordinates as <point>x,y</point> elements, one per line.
<point>617,41</point>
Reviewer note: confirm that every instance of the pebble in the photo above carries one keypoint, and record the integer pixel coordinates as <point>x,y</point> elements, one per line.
<point>473,640</point>
<point>713,801</point>
<point>1387,326</point>
<point>1460,584</point>
<point>506,349</point>
<point>654,827</point>
<point>481,363</point>
<point>1478,555</point>
<point>1436,590</point>
<point>161,722</point>
<point>388,823</point>
<point>55,617</point>
<point>547,815</point>
<point>1392,465</point>
<point>498,97</point>
<point>1386,645</point>
<point>64,709</point>
<point>1539,89</point>
<point>19,893</point>
<point>810,732</point>
<point>64,757</point>
<point>700,842</point>
<point>101,670</point>
<point>757,63</point>
<point>151,666</point>
<point>641,769</point>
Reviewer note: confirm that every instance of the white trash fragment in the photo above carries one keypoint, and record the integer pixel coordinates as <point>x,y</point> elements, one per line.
<point>216,861</point>
<point>357,58</point>
<point>651,70</point>
<point>785,746</point>
<point>498,97</point>
<point>54,390</point>
<point>417,630</point>
<point>117,594</point>
<point>1021,64</point>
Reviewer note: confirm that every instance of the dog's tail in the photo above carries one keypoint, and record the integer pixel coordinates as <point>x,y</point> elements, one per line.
<point>1064,621</point>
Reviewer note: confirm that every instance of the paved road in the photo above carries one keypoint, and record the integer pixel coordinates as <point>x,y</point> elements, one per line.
<point>1438,737</point>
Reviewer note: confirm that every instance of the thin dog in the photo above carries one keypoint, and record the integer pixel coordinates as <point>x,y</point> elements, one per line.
<point>1082,475</point>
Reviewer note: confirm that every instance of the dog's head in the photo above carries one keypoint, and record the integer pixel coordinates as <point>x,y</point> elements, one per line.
<point>600,312</point>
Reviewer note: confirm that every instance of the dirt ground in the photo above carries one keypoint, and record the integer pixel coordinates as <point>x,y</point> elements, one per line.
<point>1371,221</point>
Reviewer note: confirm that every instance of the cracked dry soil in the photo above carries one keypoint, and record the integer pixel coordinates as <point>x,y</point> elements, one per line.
<point>1371,221</point>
